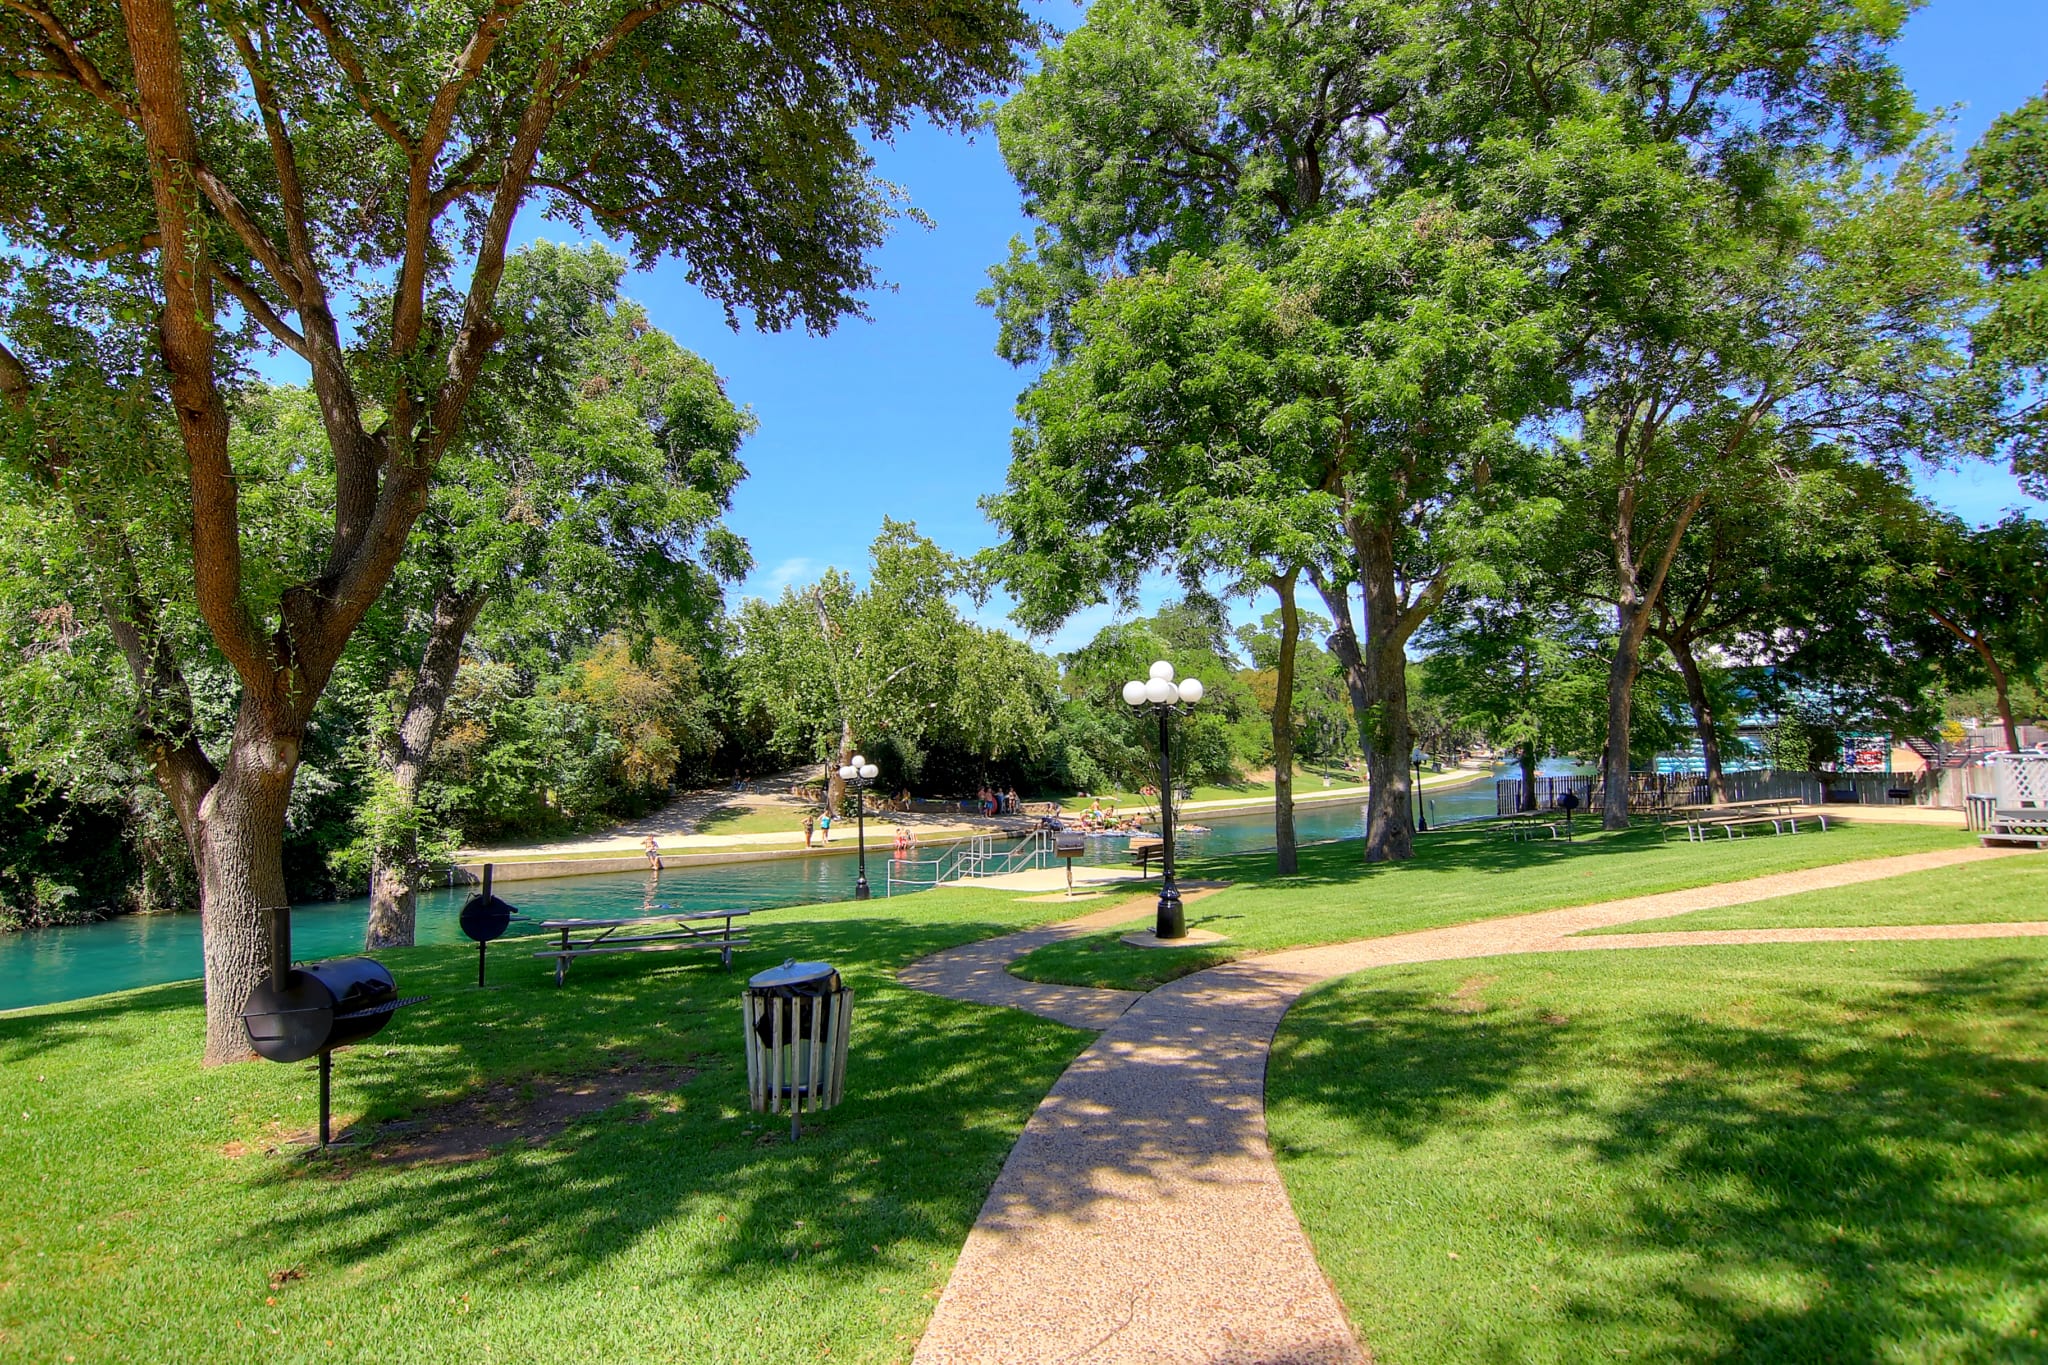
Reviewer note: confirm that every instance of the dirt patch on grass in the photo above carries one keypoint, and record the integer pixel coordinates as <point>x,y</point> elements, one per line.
<point>530,1112</point>
<point>1470,997</point>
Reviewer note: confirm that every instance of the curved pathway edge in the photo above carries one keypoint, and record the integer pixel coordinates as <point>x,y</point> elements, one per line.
<point>1140,1217</point>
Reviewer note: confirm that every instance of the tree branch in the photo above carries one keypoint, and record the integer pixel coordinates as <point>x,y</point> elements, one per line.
<point>351,63</point>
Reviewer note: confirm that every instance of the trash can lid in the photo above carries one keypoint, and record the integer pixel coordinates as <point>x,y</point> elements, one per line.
<point>791,973</point>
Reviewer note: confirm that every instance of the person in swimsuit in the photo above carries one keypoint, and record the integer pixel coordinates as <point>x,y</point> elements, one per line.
<point>825,826</point>
<point>810,828</point>
<point>653,852</point>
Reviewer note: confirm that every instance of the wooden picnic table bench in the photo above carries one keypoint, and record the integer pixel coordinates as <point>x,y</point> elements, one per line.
<point>1733,818</point>
<point>1145,849</point>
<point>2016,825</point>
<point>1525,824</point>
<point>681,933</point>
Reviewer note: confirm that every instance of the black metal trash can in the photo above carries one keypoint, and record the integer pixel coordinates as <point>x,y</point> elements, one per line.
<point>797,1016</point>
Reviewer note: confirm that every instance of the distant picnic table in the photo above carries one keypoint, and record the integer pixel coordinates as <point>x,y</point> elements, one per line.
<point>683,931</point>
<point>1736,818</point>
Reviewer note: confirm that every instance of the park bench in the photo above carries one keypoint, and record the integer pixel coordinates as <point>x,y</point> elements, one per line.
<point>2023,825</point>
<point>1145,850</point>
<point>685,930</point>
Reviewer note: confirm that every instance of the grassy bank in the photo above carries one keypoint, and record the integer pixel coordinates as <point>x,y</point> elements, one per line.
<point>2005,891</point>
<point>1457,875</point>
<point>1783,1153</point>
<point>150,1217</point>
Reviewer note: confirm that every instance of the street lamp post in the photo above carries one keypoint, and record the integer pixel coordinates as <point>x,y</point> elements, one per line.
<point>1421,821</point>
<point>1162,694</point>
<point>859,775</point>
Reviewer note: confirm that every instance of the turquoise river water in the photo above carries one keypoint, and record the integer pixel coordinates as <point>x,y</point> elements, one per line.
<point>48,965</point>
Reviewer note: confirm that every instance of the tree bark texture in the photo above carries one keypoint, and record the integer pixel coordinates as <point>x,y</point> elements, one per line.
<point>394,867</point>
<point>1527,799</point>
<point>1376,678</point>
<point>1630,622</point>
<point>240,855</point>
<point>1284,848</point>
<point>1702,714</point>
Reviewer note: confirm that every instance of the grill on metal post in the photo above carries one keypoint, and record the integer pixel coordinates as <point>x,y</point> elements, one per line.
<point>485,917</point>
<point>798,1016</point>
<point>301,1012</point>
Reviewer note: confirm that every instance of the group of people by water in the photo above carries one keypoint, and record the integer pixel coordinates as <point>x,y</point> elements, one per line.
<point>994,802</point>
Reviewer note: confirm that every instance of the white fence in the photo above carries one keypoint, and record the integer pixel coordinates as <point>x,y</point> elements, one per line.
<point>2020,780</point>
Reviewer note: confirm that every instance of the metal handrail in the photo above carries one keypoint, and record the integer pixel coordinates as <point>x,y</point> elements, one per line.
<point>969,860</point>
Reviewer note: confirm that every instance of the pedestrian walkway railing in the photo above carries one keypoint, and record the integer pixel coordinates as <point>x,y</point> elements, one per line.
<point>968,860</point>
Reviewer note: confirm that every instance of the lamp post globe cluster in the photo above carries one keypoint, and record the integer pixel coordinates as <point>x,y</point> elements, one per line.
<point>859,775</point>
<point>1159,692</point>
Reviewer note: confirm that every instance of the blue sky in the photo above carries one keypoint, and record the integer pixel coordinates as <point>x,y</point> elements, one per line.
<point>908,414</point>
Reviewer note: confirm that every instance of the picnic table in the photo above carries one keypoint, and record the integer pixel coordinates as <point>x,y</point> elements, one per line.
<point>1144,849</point>
<point>1734,818</point>
<point>1527,824</point>
<point>682,931</point>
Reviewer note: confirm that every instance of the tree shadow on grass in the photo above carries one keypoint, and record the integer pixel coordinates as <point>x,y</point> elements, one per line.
<point>1853,1187</point>
<point>936,1091</point>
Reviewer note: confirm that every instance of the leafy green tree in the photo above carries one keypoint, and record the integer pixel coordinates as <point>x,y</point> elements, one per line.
<point>600,458</point>
<point>836,665</point>
<point>1523,668</point>
<point>259,170</point>
<point>1830,329</point>
<point>1208,741</point>
<point>1983,588</point>
<point>1176,433</point>
<point>2006,175</point>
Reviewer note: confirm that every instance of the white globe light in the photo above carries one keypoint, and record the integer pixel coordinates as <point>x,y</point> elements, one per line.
<point>846,774</point>
<point>1159,690</point>
<point>1134,693</point>
<point>1191,690</point>
<point>1163,669</point>
<point>868,771</point>
<point>859,762</point>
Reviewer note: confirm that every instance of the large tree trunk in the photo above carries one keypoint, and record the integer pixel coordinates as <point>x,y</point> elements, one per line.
<point>394,861</point>
<point>1390,736</point>
<point>1528,796</point>
<point>1631,620</point>
<point>835,787</point>
<point>1376,677</point>
<point>240,855</point>
<point>1284,853</point>
<point>1702,714</point>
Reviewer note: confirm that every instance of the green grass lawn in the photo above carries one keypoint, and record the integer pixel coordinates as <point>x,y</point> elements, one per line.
<point>2004,891</point>
<point>1785,1153</point>
<point>1456,876</point>
<point>147,1221</point>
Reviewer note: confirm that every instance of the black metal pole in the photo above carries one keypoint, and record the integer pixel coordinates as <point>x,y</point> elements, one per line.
<point>326,1078</point>
<point>860,815</point>
<point>1171,923</point>
<point>1421,820</point>
<point>480,964</point>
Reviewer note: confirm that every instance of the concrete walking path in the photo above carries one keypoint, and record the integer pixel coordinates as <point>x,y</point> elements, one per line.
<point>1140,1217</point>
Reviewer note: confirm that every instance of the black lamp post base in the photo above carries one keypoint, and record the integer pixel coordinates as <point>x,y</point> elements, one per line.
<point>860,889</point>
<point>1171,921</point>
